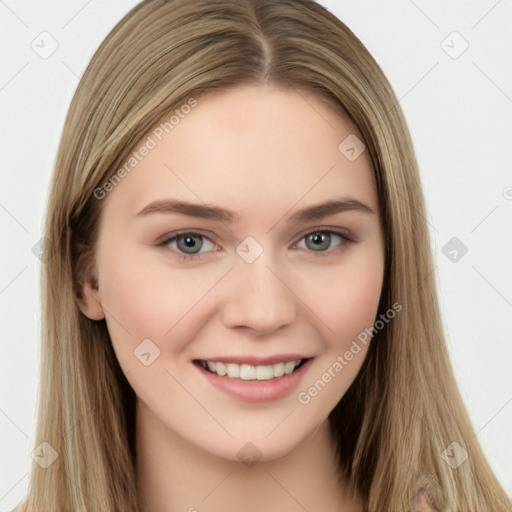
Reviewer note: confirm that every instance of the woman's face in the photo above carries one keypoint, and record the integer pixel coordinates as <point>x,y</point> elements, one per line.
<point>215,249</point>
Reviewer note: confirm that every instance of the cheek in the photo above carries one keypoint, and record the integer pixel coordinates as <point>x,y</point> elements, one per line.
<point>146,299</point>
<point>358,302</point>
<point>345,298</point>
<point>348,311</point>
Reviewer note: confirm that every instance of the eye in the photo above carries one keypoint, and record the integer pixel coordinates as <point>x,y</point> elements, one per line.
<point>188,244</point>
<point>320,241</point>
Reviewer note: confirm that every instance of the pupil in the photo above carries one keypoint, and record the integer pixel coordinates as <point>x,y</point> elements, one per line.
<point>189,243</point>
<point>317,239</point>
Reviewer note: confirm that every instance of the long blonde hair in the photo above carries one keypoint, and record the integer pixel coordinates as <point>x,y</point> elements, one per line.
<point>403,409</point>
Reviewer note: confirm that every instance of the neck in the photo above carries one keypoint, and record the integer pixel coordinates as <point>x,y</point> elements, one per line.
<point>174,475</point>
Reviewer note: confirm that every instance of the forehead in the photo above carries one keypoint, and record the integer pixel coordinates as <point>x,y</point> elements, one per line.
<point>248,147</point>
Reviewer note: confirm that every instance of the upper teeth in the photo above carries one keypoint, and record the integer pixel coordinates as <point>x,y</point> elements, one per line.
<point>249,371</point>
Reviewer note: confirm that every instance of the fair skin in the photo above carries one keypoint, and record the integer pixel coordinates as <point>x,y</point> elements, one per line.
<point>265,154</point>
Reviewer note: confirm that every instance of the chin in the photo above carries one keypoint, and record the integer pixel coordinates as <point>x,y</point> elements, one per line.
<point>252,446</point>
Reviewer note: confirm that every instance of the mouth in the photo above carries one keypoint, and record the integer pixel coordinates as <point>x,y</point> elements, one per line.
<point>255,379</point>
<point>251,372</point>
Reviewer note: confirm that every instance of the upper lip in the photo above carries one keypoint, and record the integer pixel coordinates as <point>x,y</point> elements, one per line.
<point>255,360</point>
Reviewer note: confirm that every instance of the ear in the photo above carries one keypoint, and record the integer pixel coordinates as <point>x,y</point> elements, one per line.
<point>91,303</point>
<point>89,300</point>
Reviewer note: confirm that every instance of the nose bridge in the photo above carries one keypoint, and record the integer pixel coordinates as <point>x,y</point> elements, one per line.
<point>258,297</point>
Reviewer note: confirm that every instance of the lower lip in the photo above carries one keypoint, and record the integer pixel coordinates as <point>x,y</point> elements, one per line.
<point>257,390</point>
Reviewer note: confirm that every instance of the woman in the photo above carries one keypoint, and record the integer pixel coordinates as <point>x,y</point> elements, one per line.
<point>264,373</point>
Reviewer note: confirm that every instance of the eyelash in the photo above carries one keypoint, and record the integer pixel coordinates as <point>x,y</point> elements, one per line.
<point>167,239</point>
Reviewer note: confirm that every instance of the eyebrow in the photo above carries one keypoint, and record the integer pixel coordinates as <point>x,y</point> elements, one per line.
<point>216,213</point>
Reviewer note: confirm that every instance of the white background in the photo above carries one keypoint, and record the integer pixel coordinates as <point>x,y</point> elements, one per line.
<point>458,110</point>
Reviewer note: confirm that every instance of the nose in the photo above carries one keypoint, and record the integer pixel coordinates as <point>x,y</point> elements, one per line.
<point>258,298</point>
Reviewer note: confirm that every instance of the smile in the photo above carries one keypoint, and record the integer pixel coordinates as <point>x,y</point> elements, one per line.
<point>251,372</point>
<point>255,379</point>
